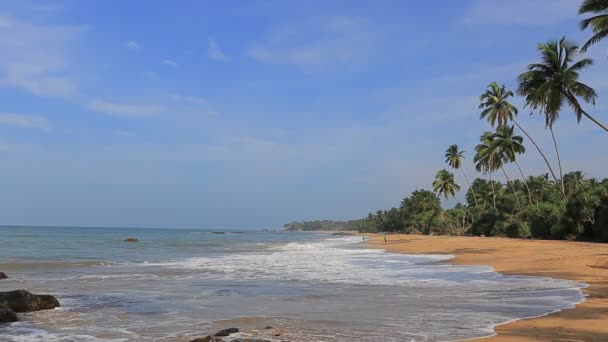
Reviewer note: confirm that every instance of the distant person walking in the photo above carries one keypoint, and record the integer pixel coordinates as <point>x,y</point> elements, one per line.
<point>385,238</point>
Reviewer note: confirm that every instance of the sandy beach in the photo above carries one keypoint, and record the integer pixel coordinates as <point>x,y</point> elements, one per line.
<point>579,261</point>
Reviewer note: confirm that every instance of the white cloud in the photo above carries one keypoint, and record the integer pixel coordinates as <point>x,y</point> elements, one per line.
<point>123,109</point>
<point>327,40</point>
<point>214,51</point>
<point>23,120</point>
<point>171,63</point>
<point>34,57</point>
<point>132,45</point>
<point>521,12</point>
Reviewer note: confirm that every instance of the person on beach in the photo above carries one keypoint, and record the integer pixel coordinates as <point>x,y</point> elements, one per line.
<point>385,238</point>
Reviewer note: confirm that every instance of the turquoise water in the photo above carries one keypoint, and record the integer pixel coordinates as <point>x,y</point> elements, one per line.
<point>177,284</point>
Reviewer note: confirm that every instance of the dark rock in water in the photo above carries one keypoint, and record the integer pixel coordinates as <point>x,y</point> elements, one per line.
<point>3,275</point>
<point>268,327</point>
<point>250,340</point>
<point>218,232</point>
<point>7,315</point>
<point>23,301</point>
<point>226,332</point>
<point>202,339</point>
<point>131,240</point>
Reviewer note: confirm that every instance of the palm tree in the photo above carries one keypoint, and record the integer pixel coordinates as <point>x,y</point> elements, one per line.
<point>445,184</point>
<point>486,160</point>
<point>509,147</point>
<point>553,83</point>
<point>497,108</point>
<point>598,22</point>
<point>454,158</point>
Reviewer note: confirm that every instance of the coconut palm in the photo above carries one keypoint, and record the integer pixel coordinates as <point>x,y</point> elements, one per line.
<point>497,109</point>
<point>454,157</point>
<point>509,146</point>
<point>553,83</point>
<point>445,184</point>
<point>598,21</point>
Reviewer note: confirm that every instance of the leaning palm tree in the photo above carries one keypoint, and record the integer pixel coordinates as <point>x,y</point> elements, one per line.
<point>497,109</point>
<point>445,184</point>
<point>598,21</point>
<point>454,157</point>
<point>510,146</point>
<point>553,83</point>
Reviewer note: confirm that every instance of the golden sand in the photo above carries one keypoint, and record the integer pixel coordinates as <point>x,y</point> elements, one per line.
<point>579,261</point>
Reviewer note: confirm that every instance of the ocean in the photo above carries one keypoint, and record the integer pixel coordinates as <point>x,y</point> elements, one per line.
<point>177,284</point>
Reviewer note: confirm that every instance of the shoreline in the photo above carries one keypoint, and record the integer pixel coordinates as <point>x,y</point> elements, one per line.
<point>582,262</point>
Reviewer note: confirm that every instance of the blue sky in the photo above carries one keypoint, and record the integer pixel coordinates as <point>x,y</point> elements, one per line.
<point>251,114</point>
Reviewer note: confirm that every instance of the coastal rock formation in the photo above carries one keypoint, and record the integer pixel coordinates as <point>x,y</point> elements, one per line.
<point>131,239</point>
<point>226,332</point>
<point>7,315</point>
<point>23,301</point>
<point>3,275</point>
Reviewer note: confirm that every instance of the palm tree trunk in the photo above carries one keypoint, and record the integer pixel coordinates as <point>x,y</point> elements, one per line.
<point>559,163</point>
<point>578,106</point>
<point>512,187</point>
<point>539,150</point>
<point>523,178</point>
<point>493,189</point>
<point>470,187</point>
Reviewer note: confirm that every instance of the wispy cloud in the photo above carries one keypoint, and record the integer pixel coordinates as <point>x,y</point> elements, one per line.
<point>34,57</point>
<point>124,109</point>
<point>318,41</point>
<point>190,99</point>
<point>24,120</point>
<point>214,51</point>
<point>132,45</point>
<point>521,12</point>
<point>170,63</point>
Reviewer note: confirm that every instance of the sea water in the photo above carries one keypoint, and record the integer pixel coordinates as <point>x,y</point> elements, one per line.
<point>178,284</point>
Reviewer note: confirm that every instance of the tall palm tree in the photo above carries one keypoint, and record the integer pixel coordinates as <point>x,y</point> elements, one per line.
<point>486,160</point>
<point>598,21</point>
<point>510,146</point>
<point>445,184</point>
<point>497,108</point>
<point>553,83</point>
<point>454,158</point>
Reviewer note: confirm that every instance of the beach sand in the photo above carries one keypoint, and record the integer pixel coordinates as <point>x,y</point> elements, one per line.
<point>579,261</point>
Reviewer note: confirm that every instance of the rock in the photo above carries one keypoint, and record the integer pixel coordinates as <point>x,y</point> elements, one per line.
<point>202,339</point>
<point>131,240</point>
<point>250,340</point>
<point>218,232</point>
<point>23,301</point>
<point>226,332</point>
<point>7,315</point>
<point>268,327</point>
<point>3,275</point>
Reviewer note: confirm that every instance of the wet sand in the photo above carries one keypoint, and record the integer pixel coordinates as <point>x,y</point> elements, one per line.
<point>579,261</point>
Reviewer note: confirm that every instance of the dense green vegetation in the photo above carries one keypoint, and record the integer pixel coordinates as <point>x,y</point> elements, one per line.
<point>549,206</point>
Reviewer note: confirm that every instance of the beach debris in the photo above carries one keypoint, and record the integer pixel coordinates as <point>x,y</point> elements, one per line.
<point>226,332</point>
<point>23,301</point>
<point>132,239</point>
<point>3,275</point>
<point>7,315</point>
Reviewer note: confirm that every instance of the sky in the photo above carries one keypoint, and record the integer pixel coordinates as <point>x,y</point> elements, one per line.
<point>251,114</point>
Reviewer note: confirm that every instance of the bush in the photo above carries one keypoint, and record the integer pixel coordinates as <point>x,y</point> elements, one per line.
<point>488,223</point>
<point>516,229</point>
